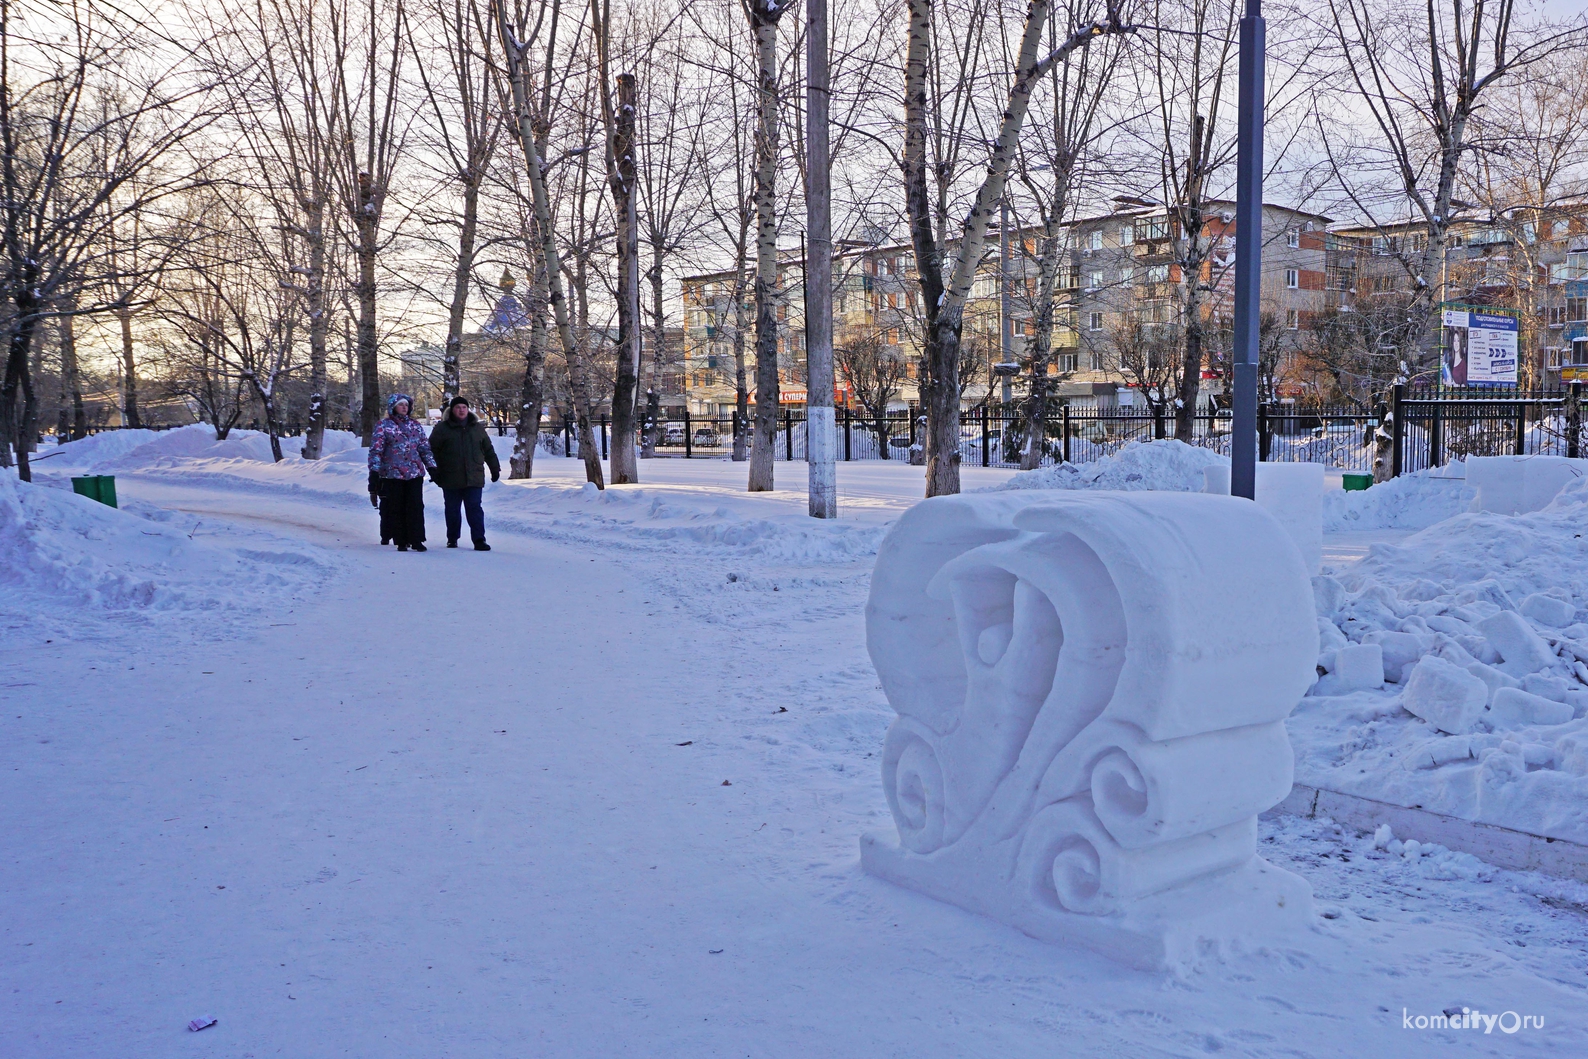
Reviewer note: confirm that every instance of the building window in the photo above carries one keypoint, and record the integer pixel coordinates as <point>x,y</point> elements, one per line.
<point>1095,280</point>
<point>1126,275</point>
<point>1293,319</point>
<point>1127,235</point>
<point>1066,361</point>
<point>1095,321</point>
<point>1097,360</point>
<point>1292,278</point>
<point>1096,240</point>
<point>1576,309</point>
<point>1158,274</point>
<point>1293,238</point>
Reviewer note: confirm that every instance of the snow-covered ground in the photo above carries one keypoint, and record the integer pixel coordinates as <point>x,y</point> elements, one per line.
<point>597,792</point>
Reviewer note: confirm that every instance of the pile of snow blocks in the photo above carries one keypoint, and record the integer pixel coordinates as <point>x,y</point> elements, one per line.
<point>1091,691</point>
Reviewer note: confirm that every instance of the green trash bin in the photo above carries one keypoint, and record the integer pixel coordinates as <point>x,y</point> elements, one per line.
<point>1356,482</point>
<point>100,487</point>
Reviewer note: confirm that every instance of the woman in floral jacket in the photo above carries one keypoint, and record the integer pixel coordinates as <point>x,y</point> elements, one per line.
<point>399,456</point>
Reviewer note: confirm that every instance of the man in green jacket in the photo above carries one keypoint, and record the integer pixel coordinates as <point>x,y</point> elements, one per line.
<point>463,449</point>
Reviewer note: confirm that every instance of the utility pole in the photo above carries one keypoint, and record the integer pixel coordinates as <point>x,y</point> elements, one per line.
<point>1248,252</point>
<point>820,424</point>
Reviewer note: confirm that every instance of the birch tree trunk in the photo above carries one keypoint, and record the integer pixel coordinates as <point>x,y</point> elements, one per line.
<point>71,376</point>
<point>532,389</point>
<point>365,222</point>
<point>764,15</point>
<point>450,378</point>
<point>524,126</point>
<point>129,370</point>
<point>1036,411</point>
<point>623,177</point>
<point>319,327</point>
<point>741,381</point>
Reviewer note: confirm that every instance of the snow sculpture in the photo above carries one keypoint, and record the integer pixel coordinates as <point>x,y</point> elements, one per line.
<point>1293,494</point>
<point>1091,691</point>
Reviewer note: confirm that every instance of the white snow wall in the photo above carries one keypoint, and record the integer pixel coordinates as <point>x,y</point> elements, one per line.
<point>1091,691</point>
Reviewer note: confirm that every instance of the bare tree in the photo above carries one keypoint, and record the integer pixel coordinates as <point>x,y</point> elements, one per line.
<point>670,167</point>
<point>1078,85</point>
<point>1424,72</point>
<point>1149,356</point>
<point>89,133</point>
<point>764,16</point>
<point>945,284</point>
<point>364,80</point>
<point>875,374</point>
<point>464,129</point>
<point>515,46</point>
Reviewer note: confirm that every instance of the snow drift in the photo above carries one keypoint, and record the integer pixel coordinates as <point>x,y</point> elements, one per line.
<point>69,564</point>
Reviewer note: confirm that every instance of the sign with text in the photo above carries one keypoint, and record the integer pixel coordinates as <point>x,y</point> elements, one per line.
<point>1480,348</point>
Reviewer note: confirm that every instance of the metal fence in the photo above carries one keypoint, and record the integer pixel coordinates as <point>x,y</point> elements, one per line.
<point>996,436</point>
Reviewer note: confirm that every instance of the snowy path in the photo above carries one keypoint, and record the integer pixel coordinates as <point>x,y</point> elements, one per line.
<point>442,811</point>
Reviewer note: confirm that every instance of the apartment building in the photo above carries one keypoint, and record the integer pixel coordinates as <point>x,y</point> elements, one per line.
<point>1529,259</point>
<point>1120,268</point>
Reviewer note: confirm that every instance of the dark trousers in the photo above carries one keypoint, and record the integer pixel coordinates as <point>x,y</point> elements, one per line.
<point>402,510</point>
<point>469,501</point>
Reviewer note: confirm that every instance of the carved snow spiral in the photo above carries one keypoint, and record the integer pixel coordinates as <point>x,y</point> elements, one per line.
<point>1090,692</point>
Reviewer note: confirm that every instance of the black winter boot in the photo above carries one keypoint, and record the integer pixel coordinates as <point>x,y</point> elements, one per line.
<point>420,548</point>
<point>481,546</point>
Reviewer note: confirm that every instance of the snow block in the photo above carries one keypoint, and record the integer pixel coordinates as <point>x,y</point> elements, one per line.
<point>1091,691</point>
<point>1547,610</point>
<point>1512,485</point>
<point>1523,650</point>
<point>1445,695</point>
<point>1293,494</point>
<point>1401,651</point>
<point>1358,667</point>
<point>1515,708</point>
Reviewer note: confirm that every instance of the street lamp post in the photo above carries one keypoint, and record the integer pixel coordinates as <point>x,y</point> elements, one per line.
<point>1248,252</point>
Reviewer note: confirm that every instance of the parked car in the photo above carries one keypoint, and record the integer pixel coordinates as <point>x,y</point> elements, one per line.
<point>672,434</point>
<point>706,437</point>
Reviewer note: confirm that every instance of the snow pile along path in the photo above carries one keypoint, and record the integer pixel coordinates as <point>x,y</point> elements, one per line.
<point>70,563</point>
<point>1454,672</point>
<point>128,450</point>
<point>1411,501</point>
<point>694,504</point>
<point>1167,464</point>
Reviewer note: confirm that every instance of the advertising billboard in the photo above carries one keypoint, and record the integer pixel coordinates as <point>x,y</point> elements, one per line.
<point>1480,348</point>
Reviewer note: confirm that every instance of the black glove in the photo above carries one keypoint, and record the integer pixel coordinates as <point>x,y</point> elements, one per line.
<point>434,473</point>
<point>496,475</point>
<point>374,489</point>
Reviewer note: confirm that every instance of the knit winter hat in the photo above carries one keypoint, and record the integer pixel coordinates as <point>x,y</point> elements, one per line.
<point>391,402</point>
<point>458,400</point>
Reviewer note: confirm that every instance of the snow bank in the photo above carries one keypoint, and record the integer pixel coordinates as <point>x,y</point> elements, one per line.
<point>711,520</point>
<point>665,518</point>
<point>1411,501</point>
<point>1482,621</point>
<point>69,565</point>
<point>136,449</point>
<point>1170,465</point>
